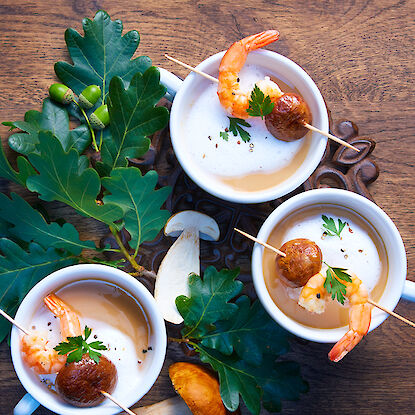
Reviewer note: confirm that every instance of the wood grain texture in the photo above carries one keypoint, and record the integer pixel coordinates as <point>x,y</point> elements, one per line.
<point>360,54</point>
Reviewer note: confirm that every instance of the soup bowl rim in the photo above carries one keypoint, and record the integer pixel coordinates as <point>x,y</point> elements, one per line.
<point>364,207</point>
<point>75,273</point>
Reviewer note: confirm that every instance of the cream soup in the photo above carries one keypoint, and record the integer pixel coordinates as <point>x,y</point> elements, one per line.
<point>115,318</point>
<point>360,250</point>
<point>260,164</point>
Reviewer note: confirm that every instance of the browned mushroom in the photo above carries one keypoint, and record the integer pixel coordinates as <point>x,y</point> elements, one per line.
<point>80,383</point>
<point>287,119</point>
<point>303,260</point>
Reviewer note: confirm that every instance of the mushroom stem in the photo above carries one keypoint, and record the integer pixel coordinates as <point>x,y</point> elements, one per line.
<point>181,260</point>
<point>141,271</point>
<point>171,406</point>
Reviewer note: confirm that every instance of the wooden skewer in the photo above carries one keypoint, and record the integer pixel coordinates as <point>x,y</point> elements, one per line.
<point>310,127</point>
<point>14,322</point>
<point>123,407</point>
<point>260,242</point>
<point>210,77</point>
<point>332,137</point>
<point>392,313</point>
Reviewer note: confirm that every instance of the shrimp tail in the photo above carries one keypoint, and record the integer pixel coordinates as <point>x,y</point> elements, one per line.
<point>360,318</point>
<point>345,345</point>
<point>260,40</point>
<point>55,305</point>
<point>69,321</point>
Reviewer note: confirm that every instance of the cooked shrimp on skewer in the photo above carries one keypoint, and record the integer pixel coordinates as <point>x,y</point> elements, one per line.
<point>36,348</point>
<point>313,295</point>
<point>359,319</point>
<point>313,298</point>
<point>232,98</point>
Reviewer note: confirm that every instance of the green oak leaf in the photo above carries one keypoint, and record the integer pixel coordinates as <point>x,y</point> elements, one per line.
<point>100,55</point>
<point>141,203</point>
<point>250,333</point>
<point>208,301</point>
<point>133,117</point>
<point>20,270</point>
<point>4,229</point>
<point>53,118</point>
<point>30,225</point>
<point>7,171</point>
<point>271,382</point>
<point>59,179</point>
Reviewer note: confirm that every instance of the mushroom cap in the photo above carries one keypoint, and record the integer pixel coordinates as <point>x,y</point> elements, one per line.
<point>198,388</point>
<point>207,226</point>
<point>80,383</point>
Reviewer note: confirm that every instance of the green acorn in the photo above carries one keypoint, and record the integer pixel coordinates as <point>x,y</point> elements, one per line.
<point>100,118</point>
<point>89,96</point>
<point>61,93</point>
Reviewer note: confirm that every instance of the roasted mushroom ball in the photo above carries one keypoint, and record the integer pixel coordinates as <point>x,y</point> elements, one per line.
<point>287,119</point>
<point>80,383</point>
<point>303,260</point>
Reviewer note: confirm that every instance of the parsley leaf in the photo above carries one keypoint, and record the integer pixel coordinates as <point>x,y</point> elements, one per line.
<point>330,226</point>
<point>235,128</point>
<point>77,347</point>
<point>333,283</point>
<point>224,135</point>
<point>259,104</point>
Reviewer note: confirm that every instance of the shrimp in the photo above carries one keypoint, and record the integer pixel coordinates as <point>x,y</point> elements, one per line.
<point>313,295</point>
<point>36,350</point>
<point>359,319</point>
<point>232,98</point>
<point>313,298</point>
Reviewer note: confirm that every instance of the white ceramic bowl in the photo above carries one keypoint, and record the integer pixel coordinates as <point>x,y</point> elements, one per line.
<point>136,389</point>
<point>286,70</point>
<point>387,231</point>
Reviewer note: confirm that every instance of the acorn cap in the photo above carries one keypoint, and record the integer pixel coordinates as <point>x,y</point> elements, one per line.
<point>100,118</point>
<point>198,388</point>
<point>89,96</point>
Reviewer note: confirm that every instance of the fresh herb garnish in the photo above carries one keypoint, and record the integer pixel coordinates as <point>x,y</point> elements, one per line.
<point>77,347</point>
<point>235,127</point>
<point>224,135</point>
<point>333,283</point>
<point>330,226</point>
<point>259,104</point>
<point>240,342</point>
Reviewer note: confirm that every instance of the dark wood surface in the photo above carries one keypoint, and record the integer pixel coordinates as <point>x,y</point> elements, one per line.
<point>361,56</point>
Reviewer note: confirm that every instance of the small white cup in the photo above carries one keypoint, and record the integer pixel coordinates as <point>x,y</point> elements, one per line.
<point>136,389</point>
<point>184,95</point>
<point>396,287</point>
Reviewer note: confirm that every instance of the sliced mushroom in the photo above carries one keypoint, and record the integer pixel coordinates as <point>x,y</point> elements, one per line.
<point>171,406</point>
<point>198,390</point>
<point>182,259</point>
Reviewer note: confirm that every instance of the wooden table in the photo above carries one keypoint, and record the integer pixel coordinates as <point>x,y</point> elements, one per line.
<point>361,56</point>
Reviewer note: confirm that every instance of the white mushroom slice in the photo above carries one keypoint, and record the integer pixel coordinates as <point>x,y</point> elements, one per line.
<point>182,259</point>
<point>172,406</point>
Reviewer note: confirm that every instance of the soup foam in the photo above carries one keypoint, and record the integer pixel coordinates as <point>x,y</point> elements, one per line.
<point>229,161</point>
